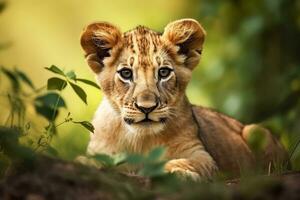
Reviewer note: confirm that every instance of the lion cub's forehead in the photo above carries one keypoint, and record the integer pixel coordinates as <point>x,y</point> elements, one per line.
<point>145,45</point>
<point>141,40</point>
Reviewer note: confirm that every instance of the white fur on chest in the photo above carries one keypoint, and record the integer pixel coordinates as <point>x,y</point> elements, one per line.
<point>112,135</point>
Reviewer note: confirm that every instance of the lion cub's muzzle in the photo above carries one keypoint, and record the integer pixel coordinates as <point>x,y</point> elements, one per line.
<point>146,108</point>
<point>146,103</point>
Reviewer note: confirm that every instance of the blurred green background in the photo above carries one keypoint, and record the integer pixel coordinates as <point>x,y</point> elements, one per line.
<point>250,67</point>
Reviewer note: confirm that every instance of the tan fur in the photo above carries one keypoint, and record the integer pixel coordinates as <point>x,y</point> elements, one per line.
<point>199,141</point>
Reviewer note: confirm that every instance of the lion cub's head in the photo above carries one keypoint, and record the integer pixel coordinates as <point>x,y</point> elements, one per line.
<point>144,73</point>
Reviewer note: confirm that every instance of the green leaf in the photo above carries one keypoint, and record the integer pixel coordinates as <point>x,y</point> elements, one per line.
<point>51,100</point>
<point>88,82</point>
<point>135,159</point>
<point>49,113</point>
<point>24,78</point>
<point>104,159</point>
<point>55,70</point>
<point>153,169</point>
<point>86,125</point>
<point>56,84</point>
<point>79,91</point>
<point>12,78</point>
<point>71,75</point>
<point>120,159</point>
<point>156,154</point>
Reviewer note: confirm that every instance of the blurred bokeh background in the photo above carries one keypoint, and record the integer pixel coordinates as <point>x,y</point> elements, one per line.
<point>250,67</point>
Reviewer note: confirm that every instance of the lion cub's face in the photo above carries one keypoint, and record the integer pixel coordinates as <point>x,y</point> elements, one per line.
<point>144,73</point>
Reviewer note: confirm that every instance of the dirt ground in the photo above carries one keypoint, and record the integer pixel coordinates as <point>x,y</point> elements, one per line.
<point>54,179</point>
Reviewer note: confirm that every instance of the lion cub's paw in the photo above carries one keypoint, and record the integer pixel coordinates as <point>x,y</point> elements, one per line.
<point>185,174</point>
<point>183,169</point>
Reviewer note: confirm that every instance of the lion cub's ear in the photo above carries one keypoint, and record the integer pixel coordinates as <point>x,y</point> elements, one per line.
<point>189,36</point>
<point>101,42</point>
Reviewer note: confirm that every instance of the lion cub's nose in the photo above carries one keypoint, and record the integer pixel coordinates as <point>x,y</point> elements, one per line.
<point>146,103</point>
<point>145,109</point>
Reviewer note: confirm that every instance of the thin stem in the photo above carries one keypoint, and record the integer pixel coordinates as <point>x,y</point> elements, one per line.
<point>60,123</point>
<point>55,109</point>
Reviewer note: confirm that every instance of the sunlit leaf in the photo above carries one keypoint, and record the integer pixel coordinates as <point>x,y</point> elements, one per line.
<point>56,70</point>
<point>56,84</point>
<point>91,83</point>
<point>104,159</point>
<point>156,154</point>
<point>71,75</point>
<point>153,169</point>
<point>120,159</point>
<point>24,78</point>
<point>86,125</point>
<point>135,159</point>
<point>79,91</point>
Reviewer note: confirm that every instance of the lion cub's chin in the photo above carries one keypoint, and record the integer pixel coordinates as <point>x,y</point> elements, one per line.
<point>145,128</point>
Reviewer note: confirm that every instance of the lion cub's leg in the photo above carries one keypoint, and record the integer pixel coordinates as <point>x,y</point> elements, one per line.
<point>197,166</point>
<point>265,146</point>
<point>183,168</point>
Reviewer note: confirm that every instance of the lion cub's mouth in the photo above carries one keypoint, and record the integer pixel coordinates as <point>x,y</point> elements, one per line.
<point>145,121</point>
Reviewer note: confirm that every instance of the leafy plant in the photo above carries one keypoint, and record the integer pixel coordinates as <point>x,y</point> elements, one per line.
<point>47,103</point>
<point>70,78</point>
<point>150,165</point>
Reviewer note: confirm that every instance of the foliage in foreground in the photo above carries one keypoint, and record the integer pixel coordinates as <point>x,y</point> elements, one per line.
<point>37,176</point>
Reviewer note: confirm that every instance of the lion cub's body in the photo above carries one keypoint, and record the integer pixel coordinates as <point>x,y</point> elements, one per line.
<point>143,75</point>
<point>224,147</point>
<point>180,139</point>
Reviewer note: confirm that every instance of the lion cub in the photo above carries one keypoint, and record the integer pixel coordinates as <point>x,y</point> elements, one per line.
<point>143,75</point>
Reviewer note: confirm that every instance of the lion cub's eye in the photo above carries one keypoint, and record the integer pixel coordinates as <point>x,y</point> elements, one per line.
<point>164,72</point>
<point>125,73</point>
